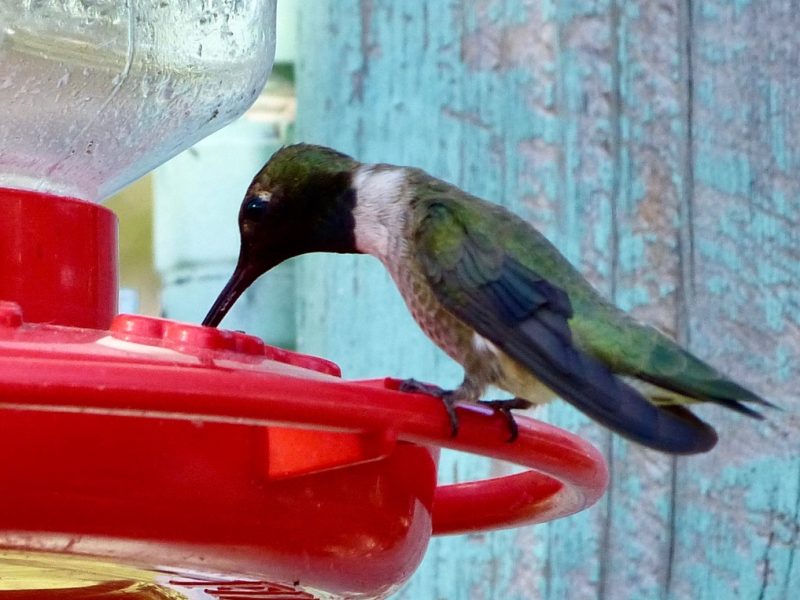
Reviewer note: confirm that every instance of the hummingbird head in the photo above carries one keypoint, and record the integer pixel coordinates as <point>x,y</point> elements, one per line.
<point>301,201</point>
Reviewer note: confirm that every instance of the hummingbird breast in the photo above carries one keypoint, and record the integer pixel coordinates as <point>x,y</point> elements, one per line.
<point>448,332</point>
<point>484,364</point>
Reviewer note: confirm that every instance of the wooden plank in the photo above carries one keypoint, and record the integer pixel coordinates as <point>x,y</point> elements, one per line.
<point>647,275</point>
<point>586,188</point>
<point>387,81</point>
<point>652,142</point>
<point>737,523</point>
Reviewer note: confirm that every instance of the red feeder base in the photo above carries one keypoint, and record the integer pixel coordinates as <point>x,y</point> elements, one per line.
<point>157,459</point>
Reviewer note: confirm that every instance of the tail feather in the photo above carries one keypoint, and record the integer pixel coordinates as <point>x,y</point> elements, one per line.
<point>588,385</point>
<point>665,399</point>
<point>743,409</point>
<point>678,375</point>
<point>699,382</point>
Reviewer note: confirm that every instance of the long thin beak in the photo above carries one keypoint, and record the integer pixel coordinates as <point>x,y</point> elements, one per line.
<point>240,280</point>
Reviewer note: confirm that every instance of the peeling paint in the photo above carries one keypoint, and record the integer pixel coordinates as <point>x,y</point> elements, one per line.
<point>653,142</point>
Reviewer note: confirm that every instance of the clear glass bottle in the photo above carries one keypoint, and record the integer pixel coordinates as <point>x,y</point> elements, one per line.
<point>95,93</point>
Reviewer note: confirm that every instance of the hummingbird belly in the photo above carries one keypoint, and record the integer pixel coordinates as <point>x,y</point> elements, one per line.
<point>484,363</point>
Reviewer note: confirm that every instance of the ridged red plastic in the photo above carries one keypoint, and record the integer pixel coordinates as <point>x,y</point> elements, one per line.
<point>196,451</point>
<point>58,258</point>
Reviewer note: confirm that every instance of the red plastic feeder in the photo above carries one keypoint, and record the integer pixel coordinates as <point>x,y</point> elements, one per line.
<point>150,458</point>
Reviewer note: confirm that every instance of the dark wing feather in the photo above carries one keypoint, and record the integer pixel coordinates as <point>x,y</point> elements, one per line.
<point>527,317</point>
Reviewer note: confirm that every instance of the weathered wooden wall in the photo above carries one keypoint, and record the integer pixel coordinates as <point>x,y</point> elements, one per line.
<point>654,142</point>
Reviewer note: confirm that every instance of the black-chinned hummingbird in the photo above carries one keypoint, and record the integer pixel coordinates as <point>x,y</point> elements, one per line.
<point>488,288</point>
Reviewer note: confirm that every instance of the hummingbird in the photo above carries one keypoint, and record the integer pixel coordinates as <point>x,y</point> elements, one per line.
<point>489,289</point>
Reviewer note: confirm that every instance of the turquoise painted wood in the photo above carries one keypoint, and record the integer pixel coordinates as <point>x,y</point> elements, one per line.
<point>654,143</point>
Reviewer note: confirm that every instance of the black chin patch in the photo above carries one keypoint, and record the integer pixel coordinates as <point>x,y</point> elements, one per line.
<point>341,226</point>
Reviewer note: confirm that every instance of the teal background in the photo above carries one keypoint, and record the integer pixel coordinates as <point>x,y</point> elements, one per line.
<point>653,142</point>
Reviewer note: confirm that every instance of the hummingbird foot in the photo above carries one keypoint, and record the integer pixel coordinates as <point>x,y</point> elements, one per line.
<point>448,398</point>
<point>505,407</point>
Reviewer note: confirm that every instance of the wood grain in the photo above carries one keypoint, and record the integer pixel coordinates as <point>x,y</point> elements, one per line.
<point>653,142</point>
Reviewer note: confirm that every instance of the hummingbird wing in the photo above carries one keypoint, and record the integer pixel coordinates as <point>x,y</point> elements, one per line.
<point>465,259</point>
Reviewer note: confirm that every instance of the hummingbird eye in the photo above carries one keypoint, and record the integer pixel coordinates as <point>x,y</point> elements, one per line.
<point>255,208</point>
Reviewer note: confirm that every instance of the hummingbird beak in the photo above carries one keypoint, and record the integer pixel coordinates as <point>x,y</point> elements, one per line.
<point>241,279</point>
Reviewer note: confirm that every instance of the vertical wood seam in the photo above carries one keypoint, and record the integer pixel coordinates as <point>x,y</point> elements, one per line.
<point>685,244</point>
<point>672,527</point>
<point>606,550</point>
<point>559,219</point>
<point>792,547</point>
<point>686,256</point>
<point>766,568</point>
<point>365,10</point>
<point>562,217</point>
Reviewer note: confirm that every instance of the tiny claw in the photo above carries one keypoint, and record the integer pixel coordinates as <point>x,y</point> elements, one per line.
<point>449,401</point>
<point>505,407</point>
<point>447,397</point>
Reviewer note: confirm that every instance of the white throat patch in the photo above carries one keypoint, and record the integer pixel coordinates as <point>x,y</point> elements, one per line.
<point>380,208</point>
